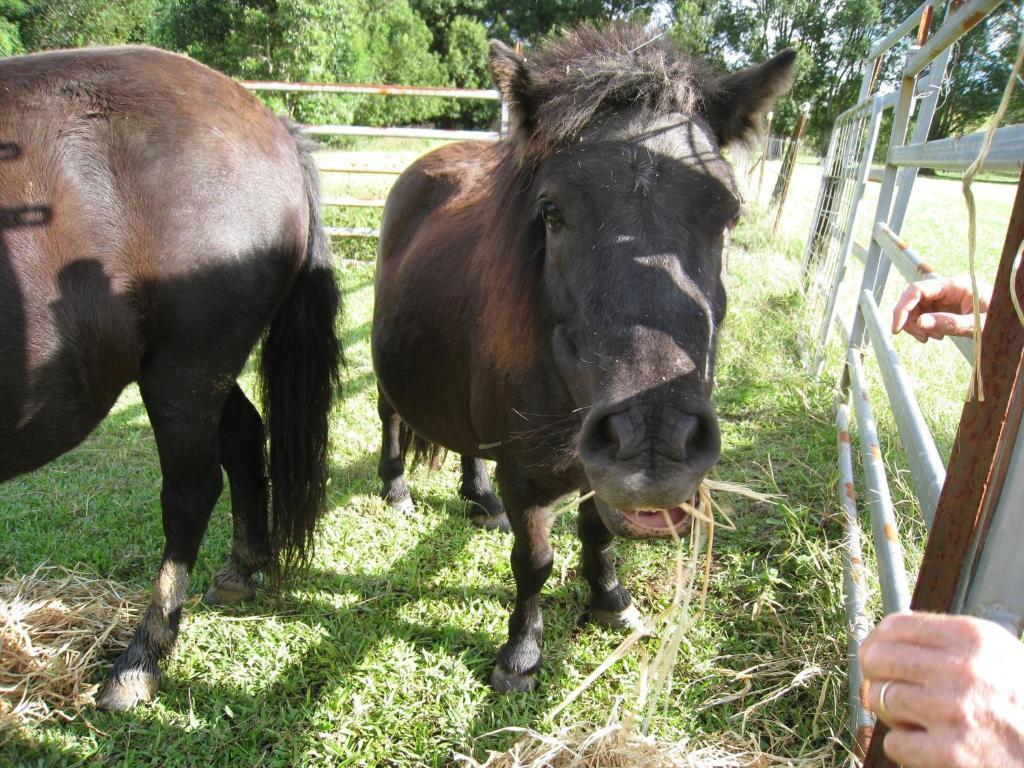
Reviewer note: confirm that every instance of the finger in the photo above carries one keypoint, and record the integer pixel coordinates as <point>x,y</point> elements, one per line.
<point>910,704</point>
<point>941,324</point>
<point>917,748</point>
<point>910,298</point>
<point>906,662</point>
<point>959,635</point>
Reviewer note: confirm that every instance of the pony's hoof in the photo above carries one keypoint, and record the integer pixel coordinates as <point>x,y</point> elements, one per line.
<point>403,506</point>
<point>628,618</point>
<point>504,681</point>
<point>128,690</point>
<point>229,588</point>
<point>481,519</point>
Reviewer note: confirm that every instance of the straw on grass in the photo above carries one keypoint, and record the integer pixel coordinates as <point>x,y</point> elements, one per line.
<point>56,627</point>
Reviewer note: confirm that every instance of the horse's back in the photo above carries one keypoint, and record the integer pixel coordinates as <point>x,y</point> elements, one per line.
<point>146,201</point>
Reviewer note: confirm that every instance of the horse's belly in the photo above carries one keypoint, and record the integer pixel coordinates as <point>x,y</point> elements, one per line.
<point>427,382</point>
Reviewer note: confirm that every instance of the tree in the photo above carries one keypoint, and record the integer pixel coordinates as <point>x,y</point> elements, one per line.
<point>830,40</point>
<point>76,23</point>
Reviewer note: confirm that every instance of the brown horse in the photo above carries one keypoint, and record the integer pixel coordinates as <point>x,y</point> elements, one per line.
<point>155,219</point>
<point>552,301</point>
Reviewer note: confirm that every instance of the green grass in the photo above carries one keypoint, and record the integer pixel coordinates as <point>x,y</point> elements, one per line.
<point>380,656</point>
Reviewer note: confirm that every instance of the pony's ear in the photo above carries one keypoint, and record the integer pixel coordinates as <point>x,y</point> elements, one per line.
<point>512,78</point>
<point>735,103</point>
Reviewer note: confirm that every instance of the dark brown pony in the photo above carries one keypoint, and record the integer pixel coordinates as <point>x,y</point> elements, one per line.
<point>552,301</point>
<point>155,219</point>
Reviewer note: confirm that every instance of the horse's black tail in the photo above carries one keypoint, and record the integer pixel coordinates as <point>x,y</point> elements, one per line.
<point>300,377</point>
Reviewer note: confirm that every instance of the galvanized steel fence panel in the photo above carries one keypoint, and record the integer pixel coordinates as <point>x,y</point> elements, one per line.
<point>998,578</point>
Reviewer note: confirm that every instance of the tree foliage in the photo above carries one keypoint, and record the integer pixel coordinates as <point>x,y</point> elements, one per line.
<point>444,42</point>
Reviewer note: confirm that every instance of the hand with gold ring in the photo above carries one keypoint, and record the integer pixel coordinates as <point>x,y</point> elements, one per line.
<point>882,708</point>
<point>951,689</point>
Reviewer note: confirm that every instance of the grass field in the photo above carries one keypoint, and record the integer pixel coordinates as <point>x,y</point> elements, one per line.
<point>380,656</point>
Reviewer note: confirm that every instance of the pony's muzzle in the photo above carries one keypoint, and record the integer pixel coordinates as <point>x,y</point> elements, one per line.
<point>649,457</point>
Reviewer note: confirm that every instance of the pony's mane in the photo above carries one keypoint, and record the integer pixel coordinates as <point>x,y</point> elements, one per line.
<point>589,72</point>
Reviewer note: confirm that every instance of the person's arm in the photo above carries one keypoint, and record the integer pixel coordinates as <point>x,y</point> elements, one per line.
<point>934,309</point>
<point>954,691</point>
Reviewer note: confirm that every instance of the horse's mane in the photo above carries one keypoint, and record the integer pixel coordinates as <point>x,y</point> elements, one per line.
<point>589,72</point>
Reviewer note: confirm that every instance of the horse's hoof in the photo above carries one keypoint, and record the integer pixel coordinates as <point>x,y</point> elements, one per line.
<point>403,506</point>
<point>481,519</point>
<point>229,588</point>
<point>128,690</point>
<point>504,681</point>
<point>628,618</point>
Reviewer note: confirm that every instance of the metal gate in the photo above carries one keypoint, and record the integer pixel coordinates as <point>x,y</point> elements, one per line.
<point>974,536</point>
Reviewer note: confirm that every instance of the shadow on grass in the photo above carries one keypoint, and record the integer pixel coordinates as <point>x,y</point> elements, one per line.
<point>273,721</point>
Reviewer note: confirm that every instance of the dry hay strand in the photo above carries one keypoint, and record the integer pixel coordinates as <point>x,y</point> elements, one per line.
<point>56,627</point>
<point>618,745</point>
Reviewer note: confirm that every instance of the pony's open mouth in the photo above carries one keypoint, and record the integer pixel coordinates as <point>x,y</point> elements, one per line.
<point>644,523</point>
<point>657,519</point>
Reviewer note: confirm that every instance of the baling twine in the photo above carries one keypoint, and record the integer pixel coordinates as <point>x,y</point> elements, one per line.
<point>969,175</point>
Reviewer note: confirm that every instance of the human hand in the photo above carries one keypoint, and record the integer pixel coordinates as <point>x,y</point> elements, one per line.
<point>934,309</point>
<point>954,691</point>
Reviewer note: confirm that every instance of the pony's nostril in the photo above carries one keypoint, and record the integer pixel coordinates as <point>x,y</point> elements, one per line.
<point>681,445</point>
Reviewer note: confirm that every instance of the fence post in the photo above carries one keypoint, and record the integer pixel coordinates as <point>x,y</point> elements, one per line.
<point>786,175</point>
<point>764,154</point>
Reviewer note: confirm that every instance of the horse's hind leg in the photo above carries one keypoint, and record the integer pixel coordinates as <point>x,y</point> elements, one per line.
<point>610,603</point>
<point>485,510</point>
<point>391,468</point>
<point>241,455</point>
<point>184,413</point>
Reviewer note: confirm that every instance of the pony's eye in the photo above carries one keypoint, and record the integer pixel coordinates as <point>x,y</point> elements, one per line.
<point>552,216</point>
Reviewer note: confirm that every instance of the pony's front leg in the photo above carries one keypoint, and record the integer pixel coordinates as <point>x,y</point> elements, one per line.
<point>610,602</point>
<point>519,659</point>
<point>187,443</point>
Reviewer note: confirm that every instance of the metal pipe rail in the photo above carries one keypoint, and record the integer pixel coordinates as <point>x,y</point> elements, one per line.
<point>373,89</point>
<point>892,573</point>
<point>956,154</point>
<point>329,168</point>
<point>957,23</point>
<point>353,202</point>
<point>926,468</point>
<point>352,232</point>
<point>994,575</point>
<point>854,591</point>
<point>398,133</point>
<point>907,26</point>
